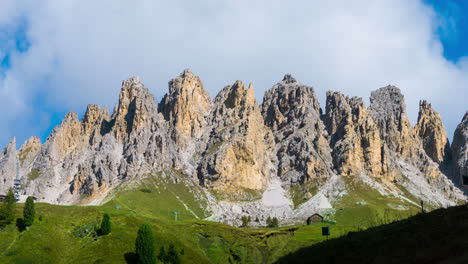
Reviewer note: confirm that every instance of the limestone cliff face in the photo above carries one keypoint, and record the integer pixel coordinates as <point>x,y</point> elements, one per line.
<point>136,109</point>
<point>187,109</point>
<point>237,148</point>
<point>186,106</point>
<point>292,111</point>
<point>237,160</point>
<point>388,109</point>
<point>432,133</point>
<point>8,163</point>
<point>354,137</point>
<point>460,151</point>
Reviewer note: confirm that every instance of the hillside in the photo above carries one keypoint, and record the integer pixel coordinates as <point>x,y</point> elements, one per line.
<point>435,237</point>
<point>64,234</point>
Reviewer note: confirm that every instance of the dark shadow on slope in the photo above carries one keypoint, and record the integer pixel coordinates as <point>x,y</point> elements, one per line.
<point>131,258</point>
<point>440,236</point>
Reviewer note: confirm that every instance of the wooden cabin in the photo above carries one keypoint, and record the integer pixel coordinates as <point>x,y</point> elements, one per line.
<point>315,218</point>
<point>2,197</point>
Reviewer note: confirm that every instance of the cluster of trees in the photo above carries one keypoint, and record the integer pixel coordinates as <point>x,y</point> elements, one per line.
<point>272,222</point>
<point>8,212</point>
<point>145,251</point>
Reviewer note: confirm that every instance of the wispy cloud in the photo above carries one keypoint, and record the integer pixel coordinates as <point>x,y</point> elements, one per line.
<point>79,51</point>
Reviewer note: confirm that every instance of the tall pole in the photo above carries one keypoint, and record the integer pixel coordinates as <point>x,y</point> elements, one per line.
<point>17,182</point>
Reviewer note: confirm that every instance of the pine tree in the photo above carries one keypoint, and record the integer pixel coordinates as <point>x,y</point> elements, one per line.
<point>106,226</point>
<point>162,255</point>
<point>144,245</point>
<point>172,255</point>
<point>268,222</point>
<point>7,211</point>
<point>274,222</point>
<point>29,212</point>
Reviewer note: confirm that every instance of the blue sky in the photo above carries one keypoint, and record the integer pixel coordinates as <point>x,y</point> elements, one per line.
<point>453,32</point>
<point>58,55</point>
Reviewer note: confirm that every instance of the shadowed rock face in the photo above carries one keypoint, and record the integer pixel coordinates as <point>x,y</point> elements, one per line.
<point>460,151</point>
<point>237,148</point>
<point>292,111</point>
<point>432,133</point>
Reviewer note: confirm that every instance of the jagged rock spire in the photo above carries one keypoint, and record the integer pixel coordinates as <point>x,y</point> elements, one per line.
<point>292,111</point>
<point>186,105</point>
<point>431,131</point>
<point>354,137</point>
<point>136,108</point>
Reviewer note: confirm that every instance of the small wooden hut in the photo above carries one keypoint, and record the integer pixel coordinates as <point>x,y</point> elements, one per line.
<point>315,218</point>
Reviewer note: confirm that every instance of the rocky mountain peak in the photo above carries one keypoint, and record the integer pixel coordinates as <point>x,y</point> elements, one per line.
<point>292,111</point>
<point>388,108</point>
<point>136,108</point>
<point>288,78</point>
<point>460,151</point>
<point>237,95</point>
<point>431,131</point>
<point>93,118</point>
<point>236,161</point>
<point>8,166</point>
<point>289,101</point>
<point>354,137</point>
<point>186,105</point>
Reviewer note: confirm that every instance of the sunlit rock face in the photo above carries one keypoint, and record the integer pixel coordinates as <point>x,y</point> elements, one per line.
<point>354,137</point>
<point>238,150</point>
<point>432,133</point>
<point>238,158</point>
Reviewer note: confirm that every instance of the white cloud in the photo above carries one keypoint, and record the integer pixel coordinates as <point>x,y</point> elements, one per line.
<point>81,50</point>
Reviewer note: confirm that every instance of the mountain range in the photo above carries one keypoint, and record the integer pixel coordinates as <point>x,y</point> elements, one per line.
<point>287,157</point>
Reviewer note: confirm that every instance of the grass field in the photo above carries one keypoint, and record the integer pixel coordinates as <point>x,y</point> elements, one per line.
<point>65,233</point>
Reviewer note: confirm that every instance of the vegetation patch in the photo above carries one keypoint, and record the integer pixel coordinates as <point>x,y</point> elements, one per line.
<point>33,174</point>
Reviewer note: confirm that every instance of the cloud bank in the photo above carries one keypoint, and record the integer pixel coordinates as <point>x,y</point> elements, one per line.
<point>60,55</point>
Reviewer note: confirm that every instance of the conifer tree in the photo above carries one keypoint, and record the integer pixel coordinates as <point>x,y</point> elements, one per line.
<point>106,226</point>
<point>172,255</point>
<point>7,210</point>
<point>144,245</point>
<point>29,212</point>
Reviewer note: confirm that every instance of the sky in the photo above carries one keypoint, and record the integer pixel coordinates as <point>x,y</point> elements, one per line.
<point>61,55</point>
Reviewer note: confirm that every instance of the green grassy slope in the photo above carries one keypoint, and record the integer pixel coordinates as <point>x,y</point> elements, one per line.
<point>61,236</point>
<point>436,237</point>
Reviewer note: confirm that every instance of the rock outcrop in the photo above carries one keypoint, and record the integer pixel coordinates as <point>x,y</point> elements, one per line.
<point>236,162</point>
<point>354,137</point>
<point>292,111</point>
<point>388,108</point>
<point>432,133</point>
<point>460,151</point>
<point>186,106</point>
<point>187,109</point>
<point>8,163</point>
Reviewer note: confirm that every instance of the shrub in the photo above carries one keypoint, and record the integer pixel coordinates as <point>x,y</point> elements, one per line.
<point>144,245</point>
<point>145,190</point>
